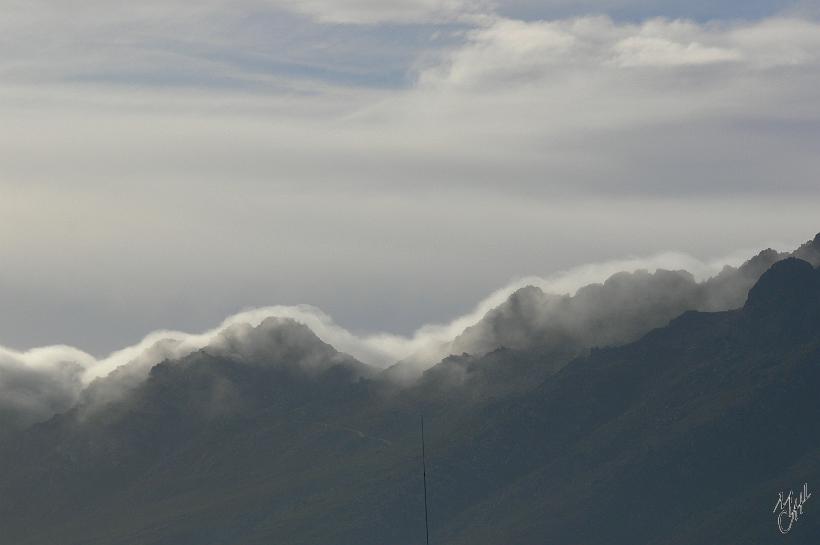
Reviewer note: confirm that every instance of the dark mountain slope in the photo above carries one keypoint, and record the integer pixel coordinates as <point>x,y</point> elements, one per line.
<point>215,435</point>
<point>684,436</point>
<point>620,310</point>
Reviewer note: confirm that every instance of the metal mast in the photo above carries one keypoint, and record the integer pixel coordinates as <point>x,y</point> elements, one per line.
<point>424,476</point>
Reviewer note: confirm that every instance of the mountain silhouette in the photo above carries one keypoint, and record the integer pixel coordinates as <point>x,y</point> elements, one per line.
<point>684,435</point>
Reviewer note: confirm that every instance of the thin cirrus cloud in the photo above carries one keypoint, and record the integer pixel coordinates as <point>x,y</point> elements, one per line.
<point>394,11</point>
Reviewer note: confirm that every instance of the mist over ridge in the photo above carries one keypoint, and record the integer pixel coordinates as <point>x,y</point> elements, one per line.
<point>601,304</point>
<point>393,272</point>
<point>270,434</point>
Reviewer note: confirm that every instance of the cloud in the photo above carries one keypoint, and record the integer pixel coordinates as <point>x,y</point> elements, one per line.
<point>620,310</point>
<point>248,46</point>
<point>382,349</point>
<point>550,53</point>
<point>394,11</point>
<point>661,105</point>
<point>598,304</point>
<point>667,108</point>
<point>649,51</point>
<point>38,383</point>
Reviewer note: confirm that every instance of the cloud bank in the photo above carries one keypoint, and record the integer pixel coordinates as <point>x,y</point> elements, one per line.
<point>38,383</point>
<point>600,304</point>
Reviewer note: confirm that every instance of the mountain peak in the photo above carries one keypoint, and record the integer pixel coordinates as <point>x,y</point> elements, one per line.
<point>761,262</point>
<point>810,251</point>
<point>271,337</point>
<point>278,341</point>
<point>787,283</point>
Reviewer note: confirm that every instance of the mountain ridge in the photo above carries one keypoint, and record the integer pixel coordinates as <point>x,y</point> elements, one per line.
<point>241,443</point>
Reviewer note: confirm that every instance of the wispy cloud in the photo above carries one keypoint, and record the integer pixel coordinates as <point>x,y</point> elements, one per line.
<point>37,383</point>
<point>380,11</point>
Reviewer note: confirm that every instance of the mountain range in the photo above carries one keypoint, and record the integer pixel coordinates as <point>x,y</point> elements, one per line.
<point>650,409</point>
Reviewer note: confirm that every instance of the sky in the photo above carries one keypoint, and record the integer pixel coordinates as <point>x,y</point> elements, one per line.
<point>165,165</point>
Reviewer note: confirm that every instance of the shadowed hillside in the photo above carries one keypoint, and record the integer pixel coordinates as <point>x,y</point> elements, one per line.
<point>684,436</point>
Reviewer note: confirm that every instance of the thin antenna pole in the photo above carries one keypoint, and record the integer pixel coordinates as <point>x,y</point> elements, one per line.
<point>424,475</point>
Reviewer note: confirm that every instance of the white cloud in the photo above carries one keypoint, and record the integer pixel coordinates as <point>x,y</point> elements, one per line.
<point>645,51</point>
<point>37,383</point>
<point>559,52</point>
<point>379,349</point>
<point>380,11</point>
<point>778,42</point>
